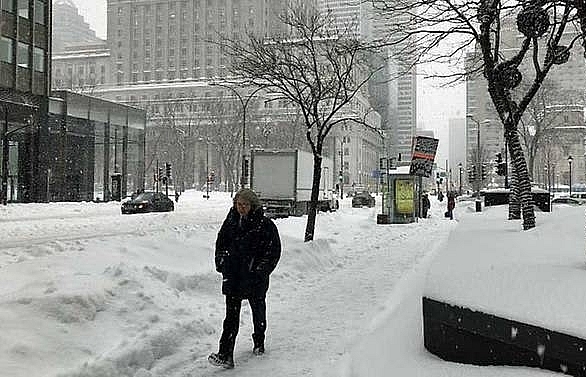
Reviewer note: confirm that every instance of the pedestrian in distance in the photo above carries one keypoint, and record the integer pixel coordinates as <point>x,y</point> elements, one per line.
<point>451,204</point>
<point>425,205</point>
<point>248,248</point>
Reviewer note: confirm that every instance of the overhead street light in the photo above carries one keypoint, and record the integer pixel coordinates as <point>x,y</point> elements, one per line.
<point>244,102</point>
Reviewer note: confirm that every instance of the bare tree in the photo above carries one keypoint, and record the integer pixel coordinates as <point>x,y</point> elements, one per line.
<point>446,30</point>
<point>541,116</point>
<point>313,66</point>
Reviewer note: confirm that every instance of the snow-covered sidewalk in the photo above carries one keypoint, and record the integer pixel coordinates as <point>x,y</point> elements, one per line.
<point>87,292</point>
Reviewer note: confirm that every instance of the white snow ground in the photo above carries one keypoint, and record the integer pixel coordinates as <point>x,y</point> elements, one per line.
<point>85,291</point>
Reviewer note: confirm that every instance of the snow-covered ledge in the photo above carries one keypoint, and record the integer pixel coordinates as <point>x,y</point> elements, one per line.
<point>498,295</point>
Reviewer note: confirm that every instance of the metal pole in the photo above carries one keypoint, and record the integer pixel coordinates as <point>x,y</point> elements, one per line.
<point>342,169</point>
<point>5,157</point>
<point>460,180</point>
<point>506,163</point>
<point>244,106</point>
<point>115,149</point>
<point>570,162</point>
<point>207,169</point>
<point>478,165</point>
<point>447,178</point>
<point>243,177</point>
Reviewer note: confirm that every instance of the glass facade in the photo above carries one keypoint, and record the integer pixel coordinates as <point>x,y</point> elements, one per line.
<point>95,140</point>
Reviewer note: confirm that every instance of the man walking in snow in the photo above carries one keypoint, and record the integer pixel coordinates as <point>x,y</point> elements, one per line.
<point>248,249</point>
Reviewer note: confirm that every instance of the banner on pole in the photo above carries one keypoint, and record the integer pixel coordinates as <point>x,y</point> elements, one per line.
<point>423,156</point>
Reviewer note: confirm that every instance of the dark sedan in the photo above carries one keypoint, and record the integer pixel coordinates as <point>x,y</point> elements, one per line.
<point>363,199</point>
<point>148,202</point>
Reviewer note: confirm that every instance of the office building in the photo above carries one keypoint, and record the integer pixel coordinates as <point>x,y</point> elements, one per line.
<point>80,60</point>
<point>70,29</point>
<point>24,89</point>
<point>567,83</point>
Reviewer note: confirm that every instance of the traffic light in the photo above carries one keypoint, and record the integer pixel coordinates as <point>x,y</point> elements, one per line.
<point>483,172</point>
<point>499,158</point>
<point>168,169</point>
<point>160,175</point>
<point>472,173</point>
<point>382,163</point>
<point>501,169</point>
<point>246,168</point>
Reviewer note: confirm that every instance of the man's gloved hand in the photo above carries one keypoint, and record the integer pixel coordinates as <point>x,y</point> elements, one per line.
<point>221,257</point>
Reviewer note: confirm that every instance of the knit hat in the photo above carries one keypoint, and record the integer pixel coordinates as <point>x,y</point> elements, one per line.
<point>249,196</point>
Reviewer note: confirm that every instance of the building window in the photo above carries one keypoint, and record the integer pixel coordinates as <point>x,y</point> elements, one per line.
<point>22,55</point>
<point>8,5</point>
<point>6,45</point>
<point>39,12</point>
<point>23,8</point>
<point>39,59</point>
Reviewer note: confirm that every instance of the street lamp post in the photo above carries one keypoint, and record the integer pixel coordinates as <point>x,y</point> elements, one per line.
<point>570,159</point>
<point>506,164</point>
<point>478,163</point>
<point>244,103</point>
<point>341,169</point>
<point>460,180</point>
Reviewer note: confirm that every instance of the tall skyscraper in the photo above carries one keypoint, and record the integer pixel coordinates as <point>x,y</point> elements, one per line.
<point>393,90</point>
<point>69,28</point>
<point>401,81</point>
<point>80,60</point>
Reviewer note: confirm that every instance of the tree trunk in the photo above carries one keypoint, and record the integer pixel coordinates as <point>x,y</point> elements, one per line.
<point>523,183</point>
<point>514,202</point>
<point>312,210</point>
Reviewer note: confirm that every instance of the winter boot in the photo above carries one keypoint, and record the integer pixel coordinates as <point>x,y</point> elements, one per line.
<point>259,344</point>
<point>219,360</point>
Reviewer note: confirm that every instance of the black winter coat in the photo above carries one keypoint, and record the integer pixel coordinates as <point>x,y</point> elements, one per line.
<point>247,253</point>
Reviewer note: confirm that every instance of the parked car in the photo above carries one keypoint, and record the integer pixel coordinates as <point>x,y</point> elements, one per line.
<point>148,201</point>
<point>362,199</point>
<point>567,200</point>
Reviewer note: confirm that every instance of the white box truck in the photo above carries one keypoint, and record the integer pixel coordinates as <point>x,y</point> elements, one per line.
<point>282,179</point>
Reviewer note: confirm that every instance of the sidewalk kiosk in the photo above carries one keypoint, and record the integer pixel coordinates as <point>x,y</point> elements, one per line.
<point>400,197</point>
<point>402,185</point>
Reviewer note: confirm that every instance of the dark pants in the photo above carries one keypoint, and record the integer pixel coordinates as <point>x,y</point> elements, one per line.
<point>232,321</point>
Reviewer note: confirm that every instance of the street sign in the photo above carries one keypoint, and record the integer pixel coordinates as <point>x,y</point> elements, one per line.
<point>423,156</point>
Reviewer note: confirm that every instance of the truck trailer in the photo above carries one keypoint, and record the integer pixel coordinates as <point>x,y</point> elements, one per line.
<point>282,179</point>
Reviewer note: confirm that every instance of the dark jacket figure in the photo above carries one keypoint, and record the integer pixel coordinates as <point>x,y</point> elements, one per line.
<point>451,205</point>
<point>248,249</point>
<point>425,205</point>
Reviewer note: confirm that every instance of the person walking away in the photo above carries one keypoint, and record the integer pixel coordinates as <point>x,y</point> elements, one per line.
<point>451,204</point>
<point>248,248</point>
<point>426,204</point>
